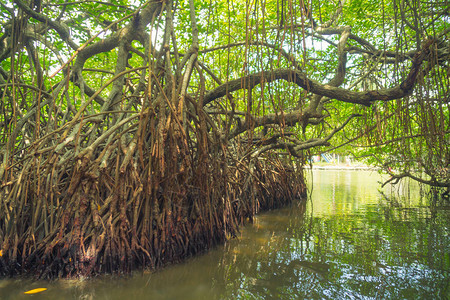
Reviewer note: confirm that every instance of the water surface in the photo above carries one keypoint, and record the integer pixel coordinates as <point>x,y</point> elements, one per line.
<point>349,241</point>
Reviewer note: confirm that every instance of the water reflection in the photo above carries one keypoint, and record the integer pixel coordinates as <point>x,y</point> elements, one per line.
<point>348,242</point>
<point>353,242</point>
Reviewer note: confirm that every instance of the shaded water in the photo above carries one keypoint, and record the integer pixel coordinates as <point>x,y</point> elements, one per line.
<point>348,242</point>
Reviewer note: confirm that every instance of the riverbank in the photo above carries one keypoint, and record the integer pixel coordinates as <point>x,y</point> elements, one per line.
<point>340,166</point>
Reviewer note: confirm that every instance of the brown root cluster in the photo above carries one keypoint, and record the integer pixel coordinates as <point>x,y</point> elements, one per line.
<point>164,195</point>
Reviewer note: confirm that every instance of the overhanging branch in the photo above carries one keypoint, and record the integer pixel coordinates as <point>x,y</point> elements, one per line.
<point>300,78</point>
<point>430,182</point>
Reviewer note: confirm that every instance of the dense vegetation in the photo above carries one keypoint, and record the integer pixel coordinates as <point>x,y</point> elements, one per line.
<point>136,134</point>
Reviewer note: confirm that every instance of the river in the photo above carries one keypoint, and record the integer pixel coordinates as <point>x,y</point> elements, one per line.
<point>349,241</point>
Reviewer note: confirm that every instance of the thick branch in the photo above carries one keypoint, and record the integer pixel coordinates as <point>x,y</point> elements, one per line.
<point>300,78</point>
<point>289,119</point>
<point>339,76</point>
<point>62,30</point>
<point>129,32</point>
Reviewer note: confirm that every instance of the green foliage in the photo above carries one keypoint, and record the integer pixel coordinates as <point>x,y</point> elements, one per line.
<point>239,38</point>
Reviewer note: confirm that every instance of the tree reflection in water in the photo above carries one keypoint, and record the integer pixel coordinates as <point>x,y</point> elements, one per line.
<point>367,245</point>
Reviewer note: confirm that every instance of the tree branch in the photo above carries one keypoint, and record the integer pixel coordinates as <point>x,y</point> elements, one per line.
<point>431,182</point>
<point>60,28</point>
<point>300,78</point>
<point>296,146</point>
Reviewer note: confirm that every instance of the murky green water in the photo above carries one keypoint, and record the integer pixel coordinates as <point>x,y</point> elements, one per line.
<point>348,242</point>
